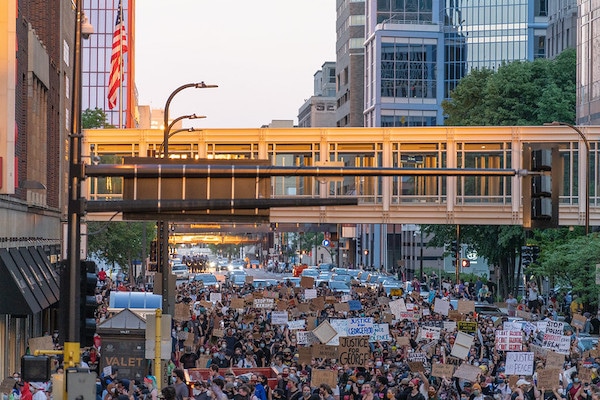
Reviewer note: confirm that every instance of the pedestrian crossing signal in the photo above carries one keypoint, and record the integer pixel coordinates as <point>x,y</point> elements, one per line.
<point>465,262</point>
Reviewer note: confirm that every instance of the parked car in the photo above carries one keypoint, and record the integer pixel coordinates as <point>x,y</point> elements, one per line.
<point>482,309</point>
<point>338,286</point>
<point>181,271</point>
<point>207,279</point>
<point>326,266</point>
<point>310,272</point>
<point>295,280</point>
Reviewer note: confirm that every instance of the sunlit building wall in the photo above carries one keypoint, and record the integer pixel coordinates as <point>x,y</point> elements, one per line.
<point>588,64</point>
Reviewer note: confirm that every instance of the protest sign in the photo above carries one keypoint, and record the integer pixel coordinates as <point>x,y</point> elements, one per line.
<point>524,314</point>
<point>441,306</point>
<point>304,354</point>
<point>306,338</point>
<point>467,326</point>
<point>449,326</point>
<point>555,327</point>
<point>323,351</point>
<point>462,345</point>
<point>237,303</point>
<point>319,376</point>
<point>341,327</point>
<point>346,298</point>
<point>397,307</point>
<point>558,343</point>
<point>585,375</point>
<point>430,332</point>
<point>509,340</point>
<point>324,332</point>
<point>403,341</point>
<point>360,326</point>
<point>417,356</point>
<point>466,306</point>
<point>354,351</point>
<point>455,315</point>
<point>311,323</point>
<point>341,307</point>
<point>554,358</point>
<point>296,325</point>
<point>416,366</point>
<point>396,292</point>
<point>263,303</point>
<point>381,333</point>
<point>7,385</point>
<point>442,370</point>
<point>467,372</point>
<point>317,304</point>
<point>519,363</point>
<point>578,321</point>
<point>310,294</point>
<point>42,343</point>
<point>307,282</point>
<point>548,378</point>
<point>279,317</point>
<point>355,305</point>
<point>249,279</point>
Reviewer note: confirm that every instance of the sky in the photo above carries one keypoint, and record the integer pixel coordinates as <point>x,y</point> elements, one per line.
<point>262,54</point>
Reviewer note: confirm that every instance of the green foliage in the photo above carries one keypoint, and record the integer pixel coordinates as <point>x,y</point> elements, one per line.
<point>119,243</point>
<point>94,119</point>
<point>518,93</point>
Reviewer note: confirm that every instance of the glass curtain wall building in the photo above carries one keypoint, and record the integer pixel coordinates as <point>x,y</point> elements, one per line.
<point>418,50</point>
<point>96,54</point>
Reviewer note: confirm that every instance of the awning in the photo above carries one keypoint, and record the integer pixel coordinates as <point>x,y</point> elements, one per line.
<point>51,276</point>
<point>39,274</point>
<point>16,295</point>
<point>31,277</point>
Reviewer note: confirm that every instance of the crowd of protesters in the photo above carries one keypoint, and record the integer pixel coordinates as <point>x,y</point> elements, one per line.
<point>235,345</point>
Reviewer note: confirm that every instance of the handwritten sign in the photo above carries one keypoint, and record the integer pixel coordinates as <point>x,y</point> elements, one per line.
<point>519,363</point>
<point>467,326</point>
<point>466,306</point>
<point>548,378</point>
<point>296,325</point>
<point>263,303</point>
<point>509,340</point>
<point>441,306</point>
<point>279,317</point>
<point>381,333</point>
<point>397,307</point>
<point>324,332</point>
<point>430,332</point>
<point>360,326</point>
<point>306,338</point>
<point>442,370</point>
<point>319,376</point>
<point>467,372</point>
<point>578,321</point>
<point>354,351</point>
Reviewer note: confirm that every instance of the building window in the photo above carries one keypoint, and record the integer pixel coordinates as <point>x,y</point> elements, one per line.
<point>408,70</point>
<point>356,43</point>
<point>357,20</point>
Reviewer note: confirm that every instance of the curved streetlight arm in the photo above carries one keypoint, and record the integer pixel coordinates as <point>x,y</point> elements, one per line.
<point>160,149</point>
<point>199,85</point>
<point>192,116</point>
<point>587,169</point>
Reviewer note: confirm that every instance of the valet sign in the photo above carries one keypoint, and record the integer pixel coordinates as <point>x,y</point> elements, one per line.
<point>360,326</point>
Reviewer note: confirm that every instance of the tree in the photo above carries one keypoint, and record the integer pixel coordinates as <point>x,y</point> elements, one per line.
<point>120,243</point>
<point>94,119</point>
<point>518,93</point>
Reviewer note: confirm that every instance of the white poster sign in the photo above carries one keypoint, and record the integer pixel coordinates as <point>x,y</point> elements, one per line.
<point>360,326</point>
<point>279,317</point>
<point>295,325</point>
<point>381,333</point>
<point>519,363</point>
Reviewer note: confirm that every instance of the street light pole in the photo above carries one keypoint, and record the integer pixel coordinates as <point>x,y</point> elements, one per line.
<point>587,170</point>
<point>163,226</point>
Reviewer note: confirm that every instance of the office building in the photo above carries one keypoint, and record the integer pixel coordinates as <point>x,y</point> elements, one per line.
<point>350,62</point>
<point>588,70</point>
<point>319,109</point>
<point>97,52</point>
<point>417,51</point>
<point>562,27</point>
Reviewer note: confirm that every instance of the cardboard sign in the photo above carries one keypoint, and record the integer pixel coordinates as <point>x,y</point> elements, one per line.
<point>548,378</point>
<point>466,306</point>
<point>383,301</point>
<point>304,355</point>
<point>442,370</point>
<point>578,321</point>
<point>354,351</point>
<point>317,304</point>
<point>182,312</point>
<point>263,303</point>
<point>416,366</point>
<point>41,343</point>
<point>319,376</point>
<point>467,372</point>
<point>455,315</point>
<point>554,359</point>
<point>341,307</point>
<point>397,307</point>
<point>216,333</point>
<point>279,317</point>
<point>237,303</point>
<point>462,345</point>
<point>7,385</point>
<point>249,279</point>
<point>323,351</point>
<point>304,308</point>
<point>402,341</point>
<point>307,282</point>
<point>585,374</point>
<point>519,363</point>
<point>311,323</point>
<point>525,315</point>
<point>324,332</point>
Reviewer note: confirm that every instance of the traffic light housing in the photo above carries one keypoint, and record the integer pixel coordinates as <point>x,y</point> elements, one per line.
<point>453,249</point>
<point>465,262</point>
<point>541,185</point>
<point>358,243</point>
<point>88,303</point>
<point>153,250</point>
<point>526,256</point>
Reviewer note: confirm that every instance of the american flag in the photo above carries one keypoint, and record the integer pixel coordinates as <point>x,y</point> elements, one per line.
<point>119,47</point>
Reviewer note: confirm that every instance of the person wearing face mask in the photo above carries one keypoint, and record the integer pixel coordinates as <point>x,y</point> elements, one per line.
<point>199,391</point>
<point>502,390</point>
<point>294,392</point>
<point>381,383</point>
<point>415,394</point>
<point>306,392</point>
<point>576,391</point>
<point>476,394</point>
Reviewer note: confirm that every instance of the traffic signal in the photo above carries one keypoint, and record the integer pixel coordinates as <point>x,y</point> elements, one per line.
<point>88,304</point>
<point>358,243</point>
<point>526,255</point>
<point>366,252</point>
<point>541,185</point>
<point>535,254</point>
<point>153,250</point>
<point>453,249</point>
<point>465,262</point>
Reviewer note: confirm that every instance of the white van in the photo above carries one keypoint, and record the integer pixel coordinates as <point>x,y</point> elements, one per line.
<point>181,271</point>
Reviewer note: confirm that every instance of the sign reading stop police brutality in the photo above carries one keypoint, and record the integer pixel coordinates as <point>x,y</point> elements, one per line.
<point>354,351</point>
<point>360,326</point>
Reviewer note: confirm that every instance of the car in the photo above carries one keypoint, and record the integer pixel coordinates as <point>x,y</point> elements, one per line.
<point>254,264</point>
<point>236,265</point>
<point>230,274</point>
<point>326,266</point>
<point>341,278</point>
<point>264,283</point>
<point>485,309</point>
<point>390,284</point>
<point>293,279</point>
<point>238,280</point>
<point>314,273</point>
<point>181,271</point>
<point>207,280</point>
<point>222,263</point>
<point>338,286</point>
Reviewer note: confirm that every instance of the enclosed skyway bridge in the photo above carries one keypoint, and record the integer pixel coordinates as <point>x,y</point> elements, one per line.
<point>449,196</point>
